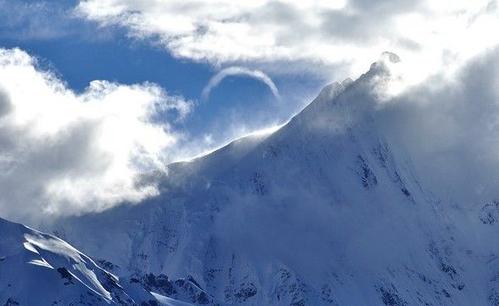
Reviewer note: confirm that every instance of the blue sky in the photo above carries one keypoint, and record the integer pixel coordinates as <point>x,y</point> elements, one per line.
<point>80,51</point>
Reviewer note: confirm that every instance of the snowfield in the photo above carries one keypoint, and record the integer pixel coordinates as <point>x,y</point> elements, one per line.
<point>40,269</point>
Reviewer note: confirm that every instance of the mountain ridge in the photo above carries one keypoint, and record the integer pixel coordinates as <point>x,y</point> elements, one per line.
<point>327,210</point>
<point>40,269</point>
<point>314,213</point>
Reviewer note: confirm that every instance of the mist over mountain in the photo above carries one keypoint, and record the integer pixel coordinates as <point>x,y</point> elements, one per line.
<point>337,207</point>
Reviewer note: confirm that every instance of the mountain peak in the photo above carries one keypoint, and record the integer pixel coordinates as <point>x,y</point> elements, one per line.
<point>342,105</point>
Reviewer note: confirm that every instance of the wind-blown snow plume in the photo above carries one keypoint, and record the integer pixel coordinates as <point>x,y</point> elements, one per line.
<point>450,129</point>
<point>239,71</point>
<point>68,153</point>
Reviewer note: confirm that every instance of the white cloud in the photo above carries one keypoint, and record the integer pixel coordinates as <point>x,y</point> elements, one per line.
<point>430,36</point>
<point>235,71</point>
<point>66,153</point>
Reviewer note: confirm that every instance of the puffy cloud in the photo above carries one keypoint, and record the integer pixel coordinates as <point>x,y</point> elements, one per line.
<point>430,36</point>
<point>234,71</point>
<point>63,152</point>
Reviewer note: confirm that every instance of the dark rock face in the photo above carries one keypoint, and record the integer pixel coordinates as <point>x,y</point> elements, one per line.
<point>259,186</point>
<point>367,176</point>
<point>11,302</point>
<point>390,296</point>
<point>66,275</point>
<point>246,291</point>
<point>494,298</point>
<point>187,289</point>
<point>489,213</point>
<point>159,283</point>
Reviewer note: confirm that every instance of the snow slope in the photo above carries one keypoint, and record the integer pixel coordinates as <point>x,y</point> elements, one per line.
<point>40,269</point>
<point>325,211</point>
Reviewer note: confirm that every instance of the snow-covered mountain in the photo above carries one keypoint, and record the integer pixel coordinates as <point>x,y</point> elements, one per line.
<point>325,211</point>
<point>40,269</point>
